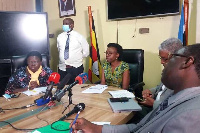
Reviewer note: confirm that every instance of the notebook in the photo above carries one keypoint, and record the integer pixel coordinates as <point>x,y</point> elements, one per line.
<point>131,105</point>
<point>57,127</point>
<point>121,93</point>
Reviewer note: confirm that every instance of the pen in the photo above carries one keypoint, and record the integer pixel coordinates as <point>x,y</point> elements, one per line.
<point>28,87</point>
<point>74,121</point>
<point>139,99</point>
<point>85,86</point>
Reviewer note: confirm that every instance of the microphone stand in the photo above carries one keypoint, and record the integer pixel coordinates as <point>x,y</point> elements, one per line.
<point>70,99</point>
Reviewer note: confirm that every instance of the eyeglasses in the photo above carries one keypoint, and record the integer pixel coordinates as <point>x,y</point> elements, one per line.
<point>108,53</point>
<point>165,59</point>
<point>173,55</point>
<point>180,55</point>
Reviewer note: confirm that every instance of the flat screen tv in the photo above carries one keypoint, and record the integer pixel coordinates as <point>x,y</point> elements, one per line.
<point>22,32</point>
<point>127,9</point>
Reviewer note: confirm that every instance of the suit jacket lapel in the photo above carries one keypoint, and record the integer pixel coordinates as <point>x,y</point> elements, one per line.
<point>158,90</point>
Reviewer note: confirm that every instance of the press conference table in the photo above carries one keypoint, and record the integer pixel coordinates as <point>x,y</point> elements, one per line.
<point>97,109</point>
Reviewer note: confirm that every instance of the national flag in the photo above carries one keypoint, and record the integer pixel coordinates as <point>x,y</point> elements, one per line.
<point>94,72</point>
<point>183,27</point>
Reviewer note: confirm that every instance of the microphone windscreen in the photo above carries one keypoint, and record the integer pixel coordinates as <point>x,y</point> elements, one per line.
<point>64,81</point>
<point>82,78</point>
<point>54,77</point>
<point>81,106</point>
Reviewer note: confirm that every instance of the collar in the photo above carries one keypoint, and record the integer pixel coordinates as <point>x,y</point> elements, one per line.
<point>184,95</point>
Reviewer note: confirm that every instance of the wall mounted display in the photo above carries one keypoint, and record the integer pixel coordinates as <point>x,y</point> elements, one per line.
<point>22,32</point>
<point>67,8</point>
<point>127,9</point>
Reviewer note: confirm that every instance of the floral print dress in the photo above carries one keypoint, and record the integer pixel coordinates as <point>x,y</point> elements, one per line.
<point>115,78</point>
<point>21,80</point>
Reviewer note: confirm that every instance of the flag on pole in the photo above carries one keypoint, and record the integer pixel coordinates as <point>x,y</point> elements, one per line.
<point>94,72</point>
<point>183,27</point>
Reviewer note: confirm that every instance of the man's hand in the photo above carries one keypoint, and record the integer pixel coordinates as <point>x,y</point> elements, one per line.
<point>146,93</point>
<point>33,84</point>
<point>148,101</point>
<point>147,96</point>
<point>86,126</point>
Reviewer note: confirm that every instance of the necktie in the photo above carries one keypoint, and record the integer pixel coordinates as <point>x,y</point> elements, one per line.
<point>66,52</point>
<point>162,106</point>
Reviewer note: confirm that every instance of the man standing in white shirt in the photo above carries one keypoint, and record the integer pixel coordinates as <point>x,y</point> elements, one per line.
<point>72,48</point>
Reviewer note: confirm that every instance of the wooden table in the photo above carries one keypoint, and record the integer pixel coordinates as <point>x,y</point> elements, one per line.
<point>97,109</point>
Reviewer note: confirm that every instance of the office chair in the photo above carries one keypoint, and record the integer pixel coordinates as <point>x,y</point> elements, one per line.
<point>135,59</point>
<point>19,61</point>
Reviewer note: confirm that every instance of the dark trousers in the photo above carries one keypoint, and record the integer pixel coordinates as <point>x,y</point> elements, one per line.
<point>73,71</point>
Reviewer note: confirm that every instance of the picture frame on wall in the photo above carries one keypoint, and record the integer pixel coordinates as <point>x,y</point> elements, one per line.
<point>66,8</point>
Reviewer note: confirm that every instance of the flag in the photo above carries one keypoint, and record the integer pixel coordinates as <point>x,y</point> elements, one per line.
<point>183,27</point>
<point>94,72</point>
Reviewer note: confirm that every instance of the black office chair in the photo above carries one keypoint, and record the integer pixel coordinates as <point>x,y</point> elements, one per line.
<point>19,61</point>
<point>135,59</point>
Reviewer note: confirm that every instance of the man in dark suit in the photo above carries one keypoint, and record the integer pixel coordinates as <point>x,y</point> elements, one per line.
<point>180,112</point>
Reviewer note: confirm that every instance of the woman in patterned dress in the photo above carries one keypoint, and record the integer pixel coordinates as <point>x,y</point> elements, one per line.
<point>115,71</point>
<point>29,77</point>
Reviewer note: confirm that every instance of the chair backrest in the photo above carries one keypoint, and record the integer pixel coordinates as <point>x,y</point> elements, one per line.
<point>19,61</point>
<point>135,59</point>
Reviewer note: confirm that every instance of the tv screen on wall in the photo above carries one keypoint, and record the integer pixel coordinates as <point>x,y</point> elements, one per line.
<point>22,32</point>
<point>127,9</point>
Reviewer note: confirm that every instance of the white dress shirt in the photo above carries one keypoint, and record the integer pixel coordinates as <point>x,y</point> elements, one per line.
<point>160,92</point>
<point>78,49</point>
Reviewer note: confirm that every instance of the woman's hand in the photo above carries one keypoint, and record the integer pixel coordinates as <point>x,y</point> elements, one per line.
<point>32,85</point>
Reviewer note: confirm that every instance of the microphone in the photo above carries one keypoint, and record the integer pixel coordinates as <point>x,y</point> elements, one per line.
<point>53,79</point>
<point>77,108</point>
<point>81,79</point>
<point>62,83</point>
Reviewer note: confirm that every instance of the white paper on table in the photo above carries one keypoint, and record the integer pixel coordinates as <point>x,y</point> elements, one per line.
<point>41,89</point>
<point>95,89</point>
<point>121,93</point>
<point>102,123</point>
<point>36,91</point>
<point>31,92</point>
